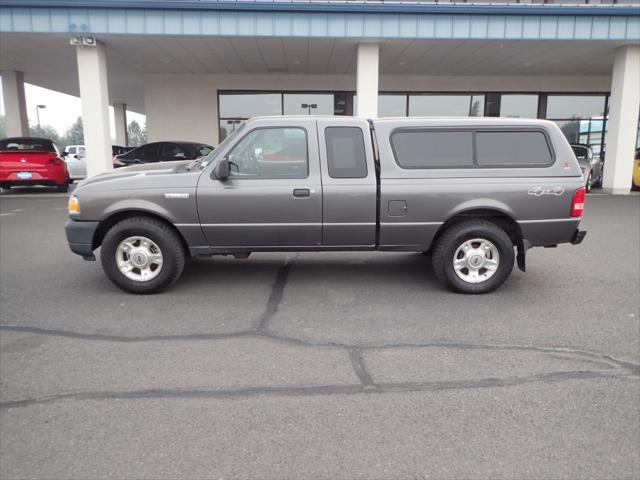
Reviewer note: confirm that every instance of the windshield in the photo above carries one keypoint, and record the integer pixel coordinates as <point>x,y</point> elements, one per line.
<point>214,154</point>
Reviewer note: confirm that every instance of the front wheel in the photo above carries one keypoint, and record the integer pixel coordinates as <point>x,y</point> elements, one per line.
<point>142,255</point>
<point>589,182</point>
<point>475,256</point>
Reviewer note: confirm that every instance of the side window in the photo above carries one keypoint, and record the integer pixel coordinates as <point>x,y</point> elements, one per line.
<point>512,149</point>
<point>136,153</point>
<point>271,152</point>
<point>432,148</point>
<point>72,150</point>
<point>345,152</point>
<point>151,152</point>
<point>171,151</point>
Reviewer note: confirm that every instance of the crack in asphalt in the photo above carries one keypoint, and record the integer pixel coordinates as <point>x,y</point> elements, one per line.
<point>355,353</point>
<point>315,390</point>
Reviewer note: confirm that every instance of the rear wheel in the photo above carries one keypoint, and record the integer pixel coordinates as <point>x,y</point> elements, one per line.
<point>63,188</point>
<point>475,256</point>
<point>142,255</point>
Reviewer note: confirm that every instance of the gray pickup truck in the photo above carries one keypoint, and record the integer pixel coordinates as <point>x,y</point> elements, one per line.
<point>469,191</point>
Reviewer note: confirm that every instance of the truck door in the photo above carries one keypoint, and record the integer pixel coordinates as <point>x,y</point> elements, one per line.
<point>273,196</point>
<point>348,182</point>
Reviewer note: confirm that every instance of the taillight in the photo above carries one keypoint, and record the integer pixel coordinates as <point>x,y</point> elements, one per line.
<point>54,160</point>
<point>577,202</point>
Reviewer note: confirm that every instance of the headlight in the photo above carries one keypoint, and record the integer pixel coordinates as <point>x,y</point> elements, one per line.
<point>74,205</point>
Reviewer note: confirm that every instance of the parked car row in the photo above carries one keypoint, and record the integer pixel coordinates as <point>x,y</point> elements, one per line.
<point>76,160</point>
<point>30,161</point>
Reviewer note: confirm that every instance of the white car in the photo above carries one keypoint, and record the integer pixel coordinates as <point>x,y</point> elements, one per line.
<point>74,155</point>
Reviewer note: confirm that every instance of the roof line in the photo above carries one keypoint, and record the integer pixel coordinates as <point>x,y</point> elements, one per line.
<point>311,6</point>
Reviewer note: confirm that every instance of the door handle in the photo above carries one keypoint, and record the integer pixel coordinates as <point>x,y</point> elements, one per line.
<point>301,192</point>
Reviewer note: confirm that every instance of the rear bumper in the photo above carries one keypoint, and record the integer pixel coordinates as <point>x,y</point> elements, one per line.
<point>80,237</point>
<point>51,177</point>
<point>578,237</point>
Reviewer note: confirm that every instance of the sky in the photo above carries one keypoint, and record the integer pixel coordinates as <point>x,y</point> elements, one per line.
<point>62,110</point>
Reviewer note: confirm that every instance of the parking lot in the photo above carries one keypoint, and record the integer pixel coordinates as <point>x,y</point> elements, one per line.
<point>341,365</point>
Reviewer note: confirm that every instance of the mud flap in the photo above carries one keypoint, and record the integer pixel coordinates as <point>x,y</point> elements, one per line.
<point>521,257</point>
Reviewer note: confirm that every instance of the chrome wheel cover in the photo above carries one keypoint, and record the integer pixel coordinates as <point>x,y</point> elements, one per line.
<point>476,260</point>
<point>139,259</point>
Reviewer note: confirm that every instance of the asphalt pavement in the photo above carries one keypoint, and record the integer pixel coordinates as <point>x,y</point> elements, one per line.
<point>319,365</point>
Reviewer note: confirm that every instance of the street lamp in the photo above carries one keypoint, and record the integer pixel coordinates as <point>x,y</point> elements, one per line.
<point>38,107</point>
<point>309,106</point>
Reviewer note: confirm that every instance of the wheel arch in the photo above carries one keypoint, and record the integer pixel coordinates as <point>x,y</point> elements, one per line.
<point>499,216</point>
<point>115,217</point>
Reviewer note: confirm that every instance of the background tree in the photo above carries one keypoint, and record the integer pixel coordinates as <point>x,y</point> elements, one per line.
<point>47,131</point>
<point>137,135</point>
<point>75,133</point>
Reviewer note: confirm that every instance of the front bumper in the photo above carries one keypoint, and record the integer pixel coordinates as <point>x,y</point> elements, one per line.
<point>578,237</point>
<point>80,237</point>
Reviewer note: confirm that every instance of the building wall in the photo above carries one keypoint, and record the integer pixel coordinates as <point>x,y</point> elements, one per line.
<point>185,106</point>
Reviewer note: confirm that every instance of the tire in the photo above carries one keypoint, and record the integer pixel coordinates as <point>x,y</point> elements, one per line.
<point>587,185</point>
<point>63,188</point>
<point>598,182</point>
<point>454,238</point>
<point>159,235</point>
<point>5,188</point>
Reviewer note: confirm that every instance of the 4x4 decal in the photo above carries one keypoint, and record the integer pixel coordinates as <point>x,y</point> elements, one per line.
<point>539,191</point>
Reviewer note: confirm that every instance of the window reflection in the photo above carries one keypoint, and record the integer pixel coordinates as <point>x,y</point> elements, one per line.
<point>229,125</point>
<point>293,104</point>
<point>446,105</point>
<point>519,106</point>
<point>575,106</point>
<point>246,105</point>
<point>389,105</point>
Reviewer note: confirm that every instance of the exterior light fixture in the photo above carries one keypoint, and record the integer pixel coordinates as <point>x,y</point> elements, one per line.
<point>84,41</point>
<point>309,106</point>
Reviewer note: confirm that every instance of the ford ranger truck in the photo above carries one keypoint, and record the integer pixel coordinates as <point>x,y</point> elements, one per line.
<point>475,193</point>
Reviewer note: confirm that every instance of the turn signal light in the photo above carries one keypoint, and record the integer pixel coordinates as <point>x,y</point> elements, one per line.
<point>74,205</point>
<point>577,202</point>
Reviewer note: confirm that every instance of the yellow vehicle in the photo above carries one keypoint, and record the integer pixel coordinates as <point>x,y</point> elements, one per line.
<point>636,171</point>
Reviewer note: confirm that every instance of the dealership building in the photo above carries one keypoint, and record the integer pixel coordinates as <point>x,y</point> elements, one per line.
<point>199,69</point>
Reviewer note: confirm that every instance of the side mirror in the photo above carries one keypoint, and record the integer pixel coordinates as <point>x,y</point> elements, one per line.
<point>63,154</point>
<point>221,172</point>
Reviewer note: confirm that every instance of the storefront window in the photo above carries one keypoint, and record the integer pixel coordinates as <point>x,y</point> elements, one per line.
<point>580,117</point>
<point>246,105</point>
<point>389,105</point>
<point>519,106</point>
<point>392,105</point>
<point>446,105</point>
<point>314,104</point>
<point>575,106</point>
<point>228,126</point>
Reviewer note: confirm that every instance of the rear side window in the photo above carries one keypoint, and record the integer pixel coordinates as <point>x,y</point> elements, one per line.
<point>433,149</point>
<point>512,149</point>
<point>345,152</point>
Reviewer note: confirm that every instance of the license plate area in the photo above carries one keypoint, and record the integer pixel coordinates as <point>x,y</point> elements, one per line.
<point>24,175</point>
